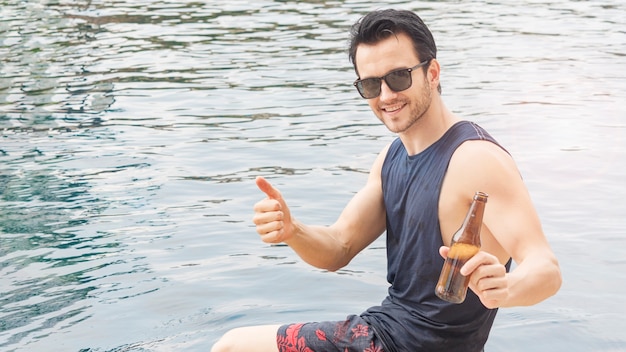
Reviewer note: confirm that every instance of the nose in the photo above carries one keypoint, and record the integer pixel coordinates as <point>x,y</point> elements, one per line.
<point>386,93</point>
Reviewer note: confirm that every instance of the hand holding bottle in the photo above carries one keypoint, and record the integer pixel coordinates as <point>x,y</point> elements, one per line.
<point>487,277</point>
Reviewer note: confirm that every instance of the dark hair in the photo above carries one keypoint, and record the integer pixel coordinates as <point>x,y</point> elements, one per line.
<point>381,24</point>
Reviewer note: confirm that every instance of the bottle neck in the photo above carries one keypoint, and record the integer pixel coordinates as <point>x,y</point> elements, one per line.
<point>470,230</point>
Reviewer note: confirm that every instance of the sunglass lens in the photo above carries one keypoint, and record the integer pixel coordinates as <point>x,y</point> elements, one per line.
<point>369,87</point>
<point>398,80</point>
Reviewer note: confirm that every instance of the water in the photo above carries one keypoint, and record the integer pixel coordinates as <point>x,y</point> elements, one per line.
<point>131,133</point>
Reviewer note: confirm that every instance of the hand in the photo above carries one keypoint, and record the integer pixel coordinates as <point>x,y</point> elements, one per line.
<point>487,278</point>
<point>271,215</point>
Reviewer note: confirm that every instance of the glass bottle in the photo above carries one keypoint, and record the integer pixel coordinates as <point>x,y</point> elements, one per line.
<point>452,286</point>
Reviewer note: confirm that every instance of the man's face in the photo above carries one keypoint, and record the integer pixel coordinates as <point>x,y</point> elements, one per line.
<point>397,110</point>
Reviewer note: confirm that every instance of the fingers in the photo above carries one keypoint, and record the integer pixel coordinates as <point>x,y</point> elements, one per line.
<point>267,205</point>
<point>492,291</point>
<point>481,258</point>
<point>491,287</point>
<point>443,251</point>
<point>268,219</point>
<point>487,279</point>
<point>271,232</point>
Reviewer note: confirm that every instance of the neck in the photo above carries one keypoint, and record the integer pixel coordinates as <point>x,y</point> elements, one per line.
<point>429,128</point>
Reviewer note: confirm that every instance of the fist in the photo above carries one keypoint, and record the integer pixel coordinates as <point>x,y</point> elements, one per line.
<point>271,215</point>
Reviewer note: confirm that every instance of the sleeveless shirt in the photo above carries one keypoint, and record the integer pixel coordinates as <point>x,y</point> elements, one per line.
<point>412,318</point>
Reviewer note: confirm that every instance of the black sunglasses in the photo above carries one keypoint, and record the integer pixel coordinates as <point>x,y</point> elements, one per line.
<point>397,81</point>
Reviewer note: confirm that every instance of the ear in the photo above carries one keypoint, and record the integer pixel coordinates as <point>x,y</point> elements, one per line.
<point>433,72</point>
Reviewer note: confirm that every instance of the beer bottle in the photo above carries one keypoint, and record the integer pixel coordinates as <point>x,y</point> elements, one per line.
<point>452,286</point>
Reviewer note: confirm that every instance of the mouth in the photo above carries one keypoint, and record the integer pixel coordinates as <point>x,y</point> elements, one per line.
<point>393,108</point>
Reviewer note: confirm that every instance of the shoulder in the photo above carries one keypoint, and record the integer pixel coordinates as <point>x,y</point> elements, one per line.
<point>375,173</point>
<point>482,156</point>
<point>389,151</point>
<point>382,156</point>
<point>480,165</point>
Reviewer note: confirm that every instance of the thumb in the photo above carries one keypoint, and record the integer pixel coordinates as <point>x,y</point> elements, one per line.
<point>267,188</point>
<point>443,251</point>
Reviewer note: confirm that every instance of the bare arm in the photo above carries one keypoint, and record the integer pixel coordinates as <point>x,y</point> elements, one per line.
<point>511,229</point>
<point>327,247</point>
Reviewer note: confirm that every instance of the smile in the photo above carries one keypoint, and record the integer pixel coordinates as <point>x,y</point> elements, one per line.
<point>393,108</point>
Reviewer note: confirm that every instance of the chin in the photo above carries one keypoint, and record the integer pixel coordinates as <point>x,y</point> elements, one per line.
<point>395,128</point>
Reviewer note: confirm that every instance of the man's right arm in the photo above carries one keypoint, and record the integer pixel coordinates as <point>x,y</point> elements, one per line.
<point>327,247</point>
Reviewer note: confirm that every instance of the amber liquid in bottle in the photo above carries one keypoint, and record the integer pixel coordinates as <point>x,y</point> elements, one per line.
<point>452,286</point>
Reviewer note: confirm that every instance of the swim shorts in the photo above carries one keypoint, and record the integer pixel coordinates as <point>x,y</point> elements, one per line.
<point>352,335</point>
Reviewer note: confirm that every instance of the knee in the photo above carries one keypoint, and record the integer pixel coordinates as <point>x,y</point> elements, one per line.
<point>251,338</point>
<point>220,346</point>
<point>225,343</point>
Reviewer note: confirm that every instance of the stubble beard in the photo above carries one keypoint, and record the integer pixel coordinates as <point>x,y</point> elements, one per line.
<point>419,107</point>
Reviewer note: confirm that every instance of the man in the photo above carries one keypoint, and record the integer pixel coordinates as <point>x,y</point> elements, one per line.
<point>418,192</point>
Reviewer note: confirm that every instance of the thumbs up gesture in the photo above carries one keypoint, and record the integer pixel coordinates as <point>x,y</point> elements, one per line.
<point>271,215</point>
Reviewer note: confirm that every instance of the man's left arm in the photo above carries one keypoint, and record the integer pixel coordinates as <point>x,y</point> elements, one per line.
<point>511,228</point>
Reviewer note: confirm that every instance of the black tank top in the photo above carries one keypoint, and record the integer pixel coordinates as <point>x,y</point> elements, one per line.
<point>412,318</point>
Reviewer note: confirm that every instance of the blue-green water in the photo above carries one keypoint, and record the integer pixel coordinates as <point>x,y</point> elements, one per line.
<point>131,133</point>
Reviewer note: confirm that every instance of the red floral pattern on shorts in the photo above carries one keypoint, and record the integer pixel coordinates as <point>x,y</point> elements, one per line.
<point>352,335</point>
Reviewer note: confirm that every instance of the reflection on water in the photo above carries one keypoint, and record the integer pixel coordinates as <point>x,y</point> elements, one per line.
<point>131,132</point>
